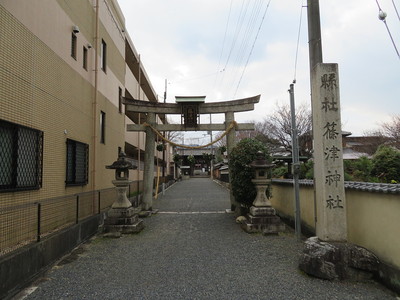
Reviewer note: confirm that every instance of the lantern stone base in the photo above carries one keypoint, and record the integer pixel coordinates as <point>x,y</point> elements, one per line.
<point>122,221</point>
<point>263,219</point>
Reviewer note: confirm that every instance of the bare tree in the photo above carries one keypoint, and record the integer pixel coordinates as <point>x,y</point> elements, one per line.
<point>276,131</point>
<point>391,130</point>
<point>173,136</point>
<point>369,142</point>
<point>239,135</point>
<point>388,134</point>
<point>221,142</point>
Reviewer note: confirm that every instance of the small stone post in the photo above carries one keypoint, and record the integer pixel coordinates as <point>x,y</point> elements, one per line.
<point>122,217</point>
<point>262,216</point>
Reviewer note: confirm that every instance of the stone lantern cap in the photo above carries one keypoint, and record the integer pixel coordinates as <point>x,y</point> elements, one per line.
<point>122,163</point>
<point>260,162</point>
<point>121,167</point>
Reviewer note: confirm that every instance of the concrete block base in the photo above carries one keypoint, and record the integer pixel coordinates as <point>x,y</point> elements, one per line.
<point>122,221</point>
<point>147,213</point>
<point>262,211</point>
<point>264,220</point>
<point>118,230</point>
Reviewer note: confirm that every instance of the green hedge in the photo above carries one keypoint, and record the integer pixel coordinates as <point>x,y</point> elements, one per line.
<point>241,173</point>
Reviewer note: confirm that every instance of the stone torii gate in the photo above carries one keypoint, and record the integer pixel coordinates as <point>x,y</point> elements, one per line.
<point>190,109</point>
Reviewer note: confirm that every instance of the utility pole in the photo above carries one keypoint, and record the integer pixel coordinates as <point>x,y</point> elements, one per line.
<point>212,152</point>
<point>295,165</point>
<point>314,34</point>
<point>165,121</point>
<point>315,52</point>
<point>139,122</point>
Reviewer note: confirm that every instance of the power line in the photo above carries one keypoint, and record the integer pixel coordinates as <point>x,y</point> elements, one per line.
<point>223,44</point>
<point>247,36</point>
<point>395,8</point>
<point>243,30</point>
<point>251,25</point>
<point>298,42</point>
<point>382,17</point>
<point>252,47</point>
<point>236,34</point>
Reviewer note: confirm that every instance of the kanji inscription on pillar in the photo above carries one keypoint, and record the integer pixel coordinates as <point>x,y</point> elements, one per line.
<point>328,155</point>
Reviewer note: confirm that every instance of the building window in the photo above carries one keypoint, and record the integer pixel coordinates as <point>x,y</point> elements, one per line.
<point>120,100</point>
<point>73,45</point>
<point>103,55</point>
<point>21,156</point>
<point>102,127</point>
<point>77,163</point>
<point>85,55</point>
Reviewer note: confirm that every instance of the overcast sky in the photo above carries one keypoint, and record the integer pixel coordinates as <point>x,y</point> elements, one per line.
<point>232,49</point>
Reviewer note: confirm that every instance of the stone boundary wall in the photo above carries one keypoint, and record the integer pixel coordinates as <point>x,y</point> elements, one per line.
<point>19,268</point>
<point>372,218</point>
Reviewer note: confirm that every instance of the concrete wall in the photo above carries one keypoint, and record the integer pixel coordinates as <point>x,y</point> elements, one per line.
<point>374,223</point>
<point>283,201</point>
<point>373,220</point>
<point>20,267</point>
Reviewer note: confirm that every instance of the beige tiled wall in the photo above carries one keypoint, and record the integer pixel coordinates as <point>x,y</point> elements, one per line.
<point>42,90</point>
<point>372,218</point>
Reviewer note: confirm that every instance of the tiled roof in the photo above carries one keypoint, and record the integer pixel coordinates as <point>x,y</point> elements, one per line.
<point>361,186</point>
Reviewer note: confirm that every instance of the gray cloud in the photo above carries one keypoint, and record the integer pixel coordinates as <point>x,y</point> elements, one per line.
<point>182,40</point>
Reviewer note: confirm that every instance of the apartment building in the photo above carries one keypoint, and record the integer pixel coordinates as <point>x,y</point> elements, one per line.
<point>64,67</point>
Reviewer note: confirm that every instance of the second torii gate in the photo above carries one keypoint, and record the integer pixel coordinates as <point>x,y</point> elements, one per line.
<point>196,107</point>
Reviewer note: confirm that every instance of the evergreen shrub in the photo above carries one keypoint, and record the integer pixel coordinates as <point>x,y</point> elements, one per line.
<point>241,173</point>
<point>386,164</point>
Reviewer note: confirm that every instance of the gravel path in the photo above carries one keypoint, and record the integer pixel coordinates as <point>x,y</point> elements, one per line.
<point>192,249</point>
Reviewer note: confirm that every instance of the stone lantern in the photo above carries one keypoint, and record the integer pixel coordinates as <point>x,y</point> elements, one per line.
<point>122,217</point>
<point>121,181</point>
<point>262,216</point>
<point>262,180</point>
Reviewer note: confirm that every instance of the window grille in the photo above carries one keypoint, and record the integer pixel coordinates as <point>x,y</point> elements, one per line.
<point>85,55</point>
<point>77,163</point>
<point>73,45</point>
<point>21,157</point>
<point>102,127</point>
<point>119,100</point>
<point>103,56</point>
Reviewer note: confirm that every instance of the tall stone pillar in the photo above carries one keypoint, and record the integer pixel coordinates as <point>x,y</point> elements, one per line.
<point>148,175</point>
<point>328,155</point>
<point>328,255</point>
<point>230,143</point>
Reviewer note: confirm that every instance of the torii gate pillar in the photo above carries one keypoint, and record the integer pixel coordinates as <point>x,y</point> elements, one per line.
<point>230,144</point>
<point>148,174</point>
